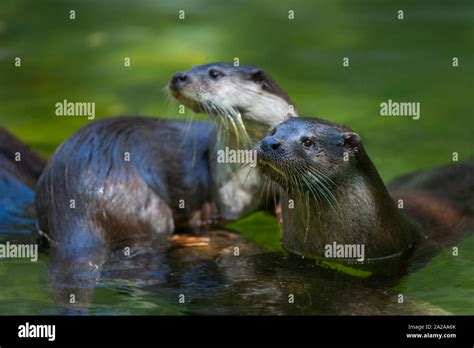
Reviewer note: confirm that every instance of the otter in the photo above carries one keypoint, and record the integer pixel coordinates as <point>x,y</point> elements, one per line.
<point>337,198</point>
<point>123,179</point>
<point>245,103</point>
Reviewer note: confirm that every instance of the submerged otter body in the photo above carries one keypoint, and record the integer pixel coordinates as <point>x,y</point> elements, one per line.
<point>18,161</point>
<point>440,201</point>
<point>339,201</point>
<point>20,167</point>
<point>127,178</point>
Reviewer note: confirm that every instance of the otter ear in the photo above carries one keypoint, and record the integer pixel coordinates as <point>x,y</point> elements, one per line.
<point>350,140</point>
<point>257,75</point>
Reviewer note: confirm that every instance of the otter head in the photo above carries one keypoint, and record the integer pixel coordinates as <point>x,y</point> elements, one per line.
<point>243,93</point>
<point>308,154</point>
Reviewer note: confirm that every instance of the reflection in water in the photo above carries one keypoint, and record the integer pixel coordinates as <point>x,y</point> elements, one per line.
<point>73,275</point>
<point>214,280</point>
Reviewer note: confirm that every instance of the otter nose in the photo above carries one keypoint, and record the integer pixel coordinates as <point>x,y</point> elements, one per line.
<point>269,144</point>
<point>179,79</point>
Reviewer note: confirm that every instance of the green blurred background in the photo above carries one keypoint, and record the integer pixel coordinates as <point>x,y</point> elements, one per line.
<point>403,60</point>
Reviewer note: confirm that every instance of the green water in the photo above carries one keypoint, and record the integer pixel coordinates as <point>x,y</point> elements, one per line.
<point>402,60</point>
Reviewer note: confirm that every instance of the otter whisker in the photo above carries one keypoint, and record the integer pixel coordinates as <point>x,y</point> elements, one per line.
<point>223,118</point>
<point>268,186</point>
<point>189,120</point>
<point>216,114</point>
<point>273,188</point>
<point>238,117</point>
<point>231,115</point>
<point>222,126</point>
<point>314,191</point>
<point>307,218</point>
<point>314,181</point>
<point>324,181</point>
<point>308,188</point>
<point>321,173</point>
<point>324,185</point>
<point>294,182</point>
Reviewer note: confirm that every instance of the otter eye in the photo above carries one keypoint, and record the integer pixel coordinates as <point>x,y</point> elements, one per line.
<point>215,74</point>
<point>273,131</point>
<point>306,142</point>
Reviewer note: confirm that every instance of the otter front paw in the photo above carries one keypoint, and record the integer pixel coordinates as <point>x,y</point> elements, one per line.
<point>182,241</point>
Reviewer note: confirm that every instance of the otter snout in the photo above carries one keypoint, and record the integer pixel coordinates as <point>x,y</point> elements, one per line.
<point>268,149</point>
<point>270,144</point>
<point>179,80</point>
<point>269,154</point>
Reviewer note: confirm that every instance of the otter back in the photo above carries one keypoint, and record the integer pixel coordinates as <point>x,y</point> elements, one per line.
<point>125,178</point>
